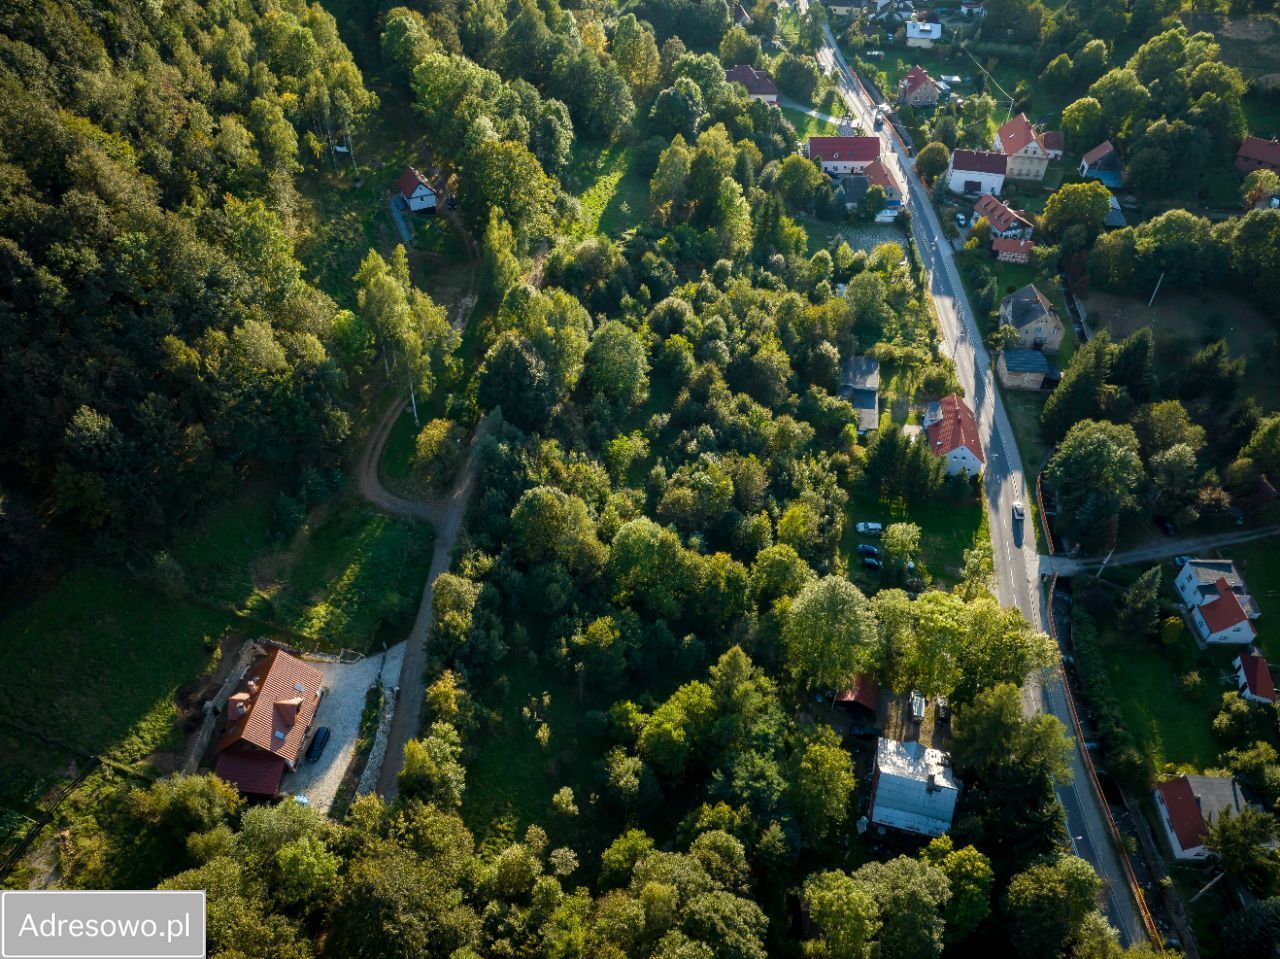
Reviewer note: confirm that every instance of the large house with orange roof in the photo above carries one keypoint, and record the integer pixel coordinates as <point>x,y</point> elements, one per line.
<point>1026,148</point>
<point>1218,603</point>
<point>267,721</point>
<point>952,433</point>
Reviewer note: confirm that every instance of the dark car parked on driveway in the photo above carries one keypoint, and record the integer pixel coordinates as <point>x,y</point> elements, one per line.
<point>866,549</point>
<point>318,742</point>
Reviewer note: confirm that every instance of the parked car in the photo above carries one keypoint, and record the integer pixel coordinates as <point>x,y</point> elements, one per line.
<point>1181,561</point>
<point>944,710</point>
<point>961,220</point>
<point>318,742</point>
<point>870,562</point>
<point>870,529</point>
<point>917,706</point>
<point>1019,513</point>
<point>1166,525</point>
<point>451,202</point>
<point>866,549</point>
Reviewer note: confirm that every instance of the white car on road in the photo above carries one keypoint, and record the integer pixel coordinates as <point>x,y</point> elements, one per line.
<point>870,529</point>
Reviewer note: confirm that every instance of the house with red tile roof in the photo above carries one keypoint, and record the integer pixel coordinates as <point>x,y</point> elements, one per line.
<point>976,172</point>
<point>1253,678</point>
<point>918,89</point>
<point>1223,621</point>
<point>1187,805</point>
<point>418,194</point>
<point>952,432</point>
<point>267,721</point>
<point>1022,144</point>
<point>878,174</point>
<point>1003,220</point>
<point>843,155</point>
<point>1011,250</point>
<point>760,85</point>
<point>1256,153</point>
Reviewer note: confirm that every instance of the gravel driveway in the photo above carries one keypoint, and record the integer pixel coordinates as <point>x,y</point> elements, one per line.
<point>340,710</point>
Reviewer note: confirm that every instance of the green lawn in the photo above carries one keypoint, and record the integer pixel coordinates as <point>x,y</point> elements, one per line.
<point>808,126</point>
<point>613,194</point>
<point>1167,725</point>
<point>1186,320</point>
<point>94,664</point>
<point>947,528</point>
<point>351,577</point>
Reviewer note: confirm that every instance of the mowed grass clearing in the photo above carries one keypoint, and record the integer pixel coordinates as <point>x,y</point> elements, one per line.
<point>1168,725</point>
<point>1184,321</point>
<point>809,126</point>
<point>94,664</point>
<point>948,527</point>
<point>351,577</point>
<point>613,194</point>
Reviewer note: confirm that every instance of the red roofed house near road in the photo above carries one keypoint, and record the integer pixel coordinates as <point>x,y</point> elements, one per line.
<point>1188,804</point>
<point>1223,621</point>
<point>417,192</point>
<point>1256,153</point>
<point>975,171</point>
<point>267,721</point>
<point>1003,220</point>
<point>840,155</point>
<point>953,433</point>
<point>1253,678</point>
<point>917,88</point>
<point>760,85</point>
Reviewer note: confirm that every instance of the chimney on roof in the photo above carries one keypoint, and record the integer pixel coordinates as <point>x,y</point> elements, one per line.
<point>238,705</point>
<point>933,783</point>
<point>253,685</point>
<point>288,709</point>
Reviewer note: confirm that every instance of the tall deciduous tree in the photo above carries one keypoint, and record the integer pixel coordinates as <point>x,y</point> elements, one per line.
<point>828,631</point>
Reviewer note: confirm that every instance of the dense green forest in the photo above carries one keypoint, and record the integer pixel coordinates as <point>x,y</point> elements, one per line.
<point>656,564</point>
<point>158,336</point>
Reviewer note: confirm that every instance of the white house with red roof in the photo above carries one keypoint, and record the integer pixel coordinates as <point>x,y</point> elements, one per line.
<point>1010,250</point>
<point>1003,220</point>
<point>918,89</point>
<point>418,194</point>
<point>976,172</point>
<point>1188,804</point>
<point>760,85</point>
<point>1253,678</point>
<point>1218,602</point>
<point>1222,621</point>
<point>952,433</point>
<point>1025,147</point>
<point>843,155</point>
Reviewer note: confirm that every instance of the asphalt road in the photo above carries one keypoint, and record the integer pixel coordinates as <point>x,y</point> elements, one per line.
<point>1016,561</point>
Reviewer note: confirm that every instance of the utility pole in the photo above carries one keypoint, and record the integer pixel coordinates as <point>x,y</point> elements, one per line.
<point>1155,291</point>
